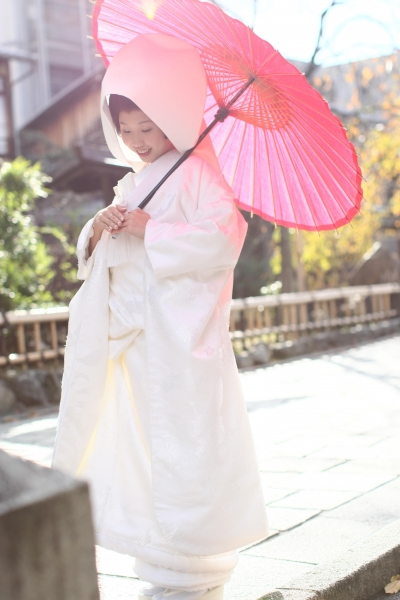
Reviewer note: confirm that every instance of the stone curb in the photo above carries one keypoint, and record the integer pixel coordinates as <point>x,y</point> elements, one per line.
<point>46,534</point>
<point>361,573</point>
<point>314,345</point>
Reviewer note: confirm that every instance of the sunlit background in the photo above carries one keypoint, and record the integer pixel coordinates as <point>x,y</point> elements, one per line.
<point>325,426</point>
<point>50,77</point>
<point>353,30</point>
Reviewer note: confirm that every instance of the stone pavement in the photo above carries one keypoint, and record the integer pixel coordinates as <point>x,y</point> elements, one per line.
<point>326,429</point>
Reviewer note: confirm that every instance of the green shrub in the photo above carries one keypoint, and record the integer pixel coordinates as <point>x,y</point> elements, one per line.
<point>26,267</point>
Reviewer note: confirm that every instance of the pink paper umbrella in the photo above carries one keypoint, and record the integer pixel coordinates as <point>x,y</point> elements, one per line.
<point>281,149</point>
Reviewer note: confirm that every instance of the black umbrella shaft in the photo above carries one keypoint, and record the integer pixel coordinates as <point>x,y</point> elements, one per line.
<point>241,91</point>
<point>178,163</point>
<point>221,115</point>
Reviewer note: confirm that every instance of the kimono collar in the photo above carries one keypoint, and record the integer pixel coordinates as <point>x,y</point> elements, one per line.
<point>161,166</point>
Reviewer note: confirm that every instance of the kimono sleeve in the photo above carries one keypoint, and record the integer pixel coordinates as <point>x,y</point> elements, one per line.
<point>82,250</point>
<point>213,240</point>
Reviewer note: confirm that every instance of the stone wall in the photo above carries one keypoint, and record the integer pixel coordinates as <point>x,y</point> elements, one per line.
<point>46,534</point>
<point>25,389</point>
<point>261,354</point>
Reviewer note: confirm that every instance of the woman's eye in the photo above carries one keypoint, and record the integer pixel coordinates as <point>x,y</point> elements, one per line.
<point>123,131</point>
<point>146,130</point>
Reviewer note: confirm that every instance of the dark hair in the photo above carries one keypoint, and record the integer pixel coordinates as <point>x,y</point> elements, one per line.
<point>118,103</point>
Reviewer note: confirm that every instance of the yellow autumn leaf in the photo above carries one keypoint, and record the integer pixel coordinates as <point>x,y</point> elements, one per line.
<point>355,100</point>
<point>367,74</point>
<point>394,586</point>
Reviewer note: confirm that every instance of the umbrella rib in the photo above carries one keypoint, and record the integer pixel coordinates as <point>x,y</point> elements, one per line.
<point>332,224</point>
<point>251,47</point>
<point>236,85</point>
<point>210,108</point>
<point>301,185</point>
<point>312,179</point>
<point>342,172</point>
<point>344,193</point>
<point>270,57</point>
<point>306,128</point>
<point>227,23</point>
<point>116,26</point>
<point>198,17</point>
<point>334,120</point>
<point>240,149</point>
<point>285,180</point>
<point>270,174</point>
<point>324,181</point>
<point>156,24</point>
<point>140,17</point>
<point>220,12</point>
<point>234,121</point>
<point>253,98</point>
<point>312,93</point>
<point>341,140</point>
<point>307,90</point>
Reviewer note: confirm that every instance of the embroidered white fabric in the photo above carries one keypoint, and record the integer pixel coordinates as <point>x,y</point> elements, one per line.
<point>152,411</point>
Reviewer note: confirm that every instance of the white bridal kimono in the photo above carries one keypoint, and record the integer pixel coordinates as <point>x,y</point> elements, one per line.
<point>152,411</point>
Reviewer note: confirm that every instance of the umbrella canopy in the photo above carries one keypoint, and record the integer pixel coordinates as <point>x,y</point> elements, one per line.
<point>281,149</point>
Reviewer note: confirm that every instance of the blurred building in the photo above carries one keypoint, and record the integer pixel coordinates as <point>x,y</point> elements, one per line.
<point>49,93</point>
<point>67,138</point>
<point>362,89</point>
<point>44,49</point>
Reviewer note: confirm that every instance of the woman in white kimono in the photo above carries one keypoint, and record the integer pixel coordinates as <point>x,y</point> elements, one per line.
<point>152,412</point>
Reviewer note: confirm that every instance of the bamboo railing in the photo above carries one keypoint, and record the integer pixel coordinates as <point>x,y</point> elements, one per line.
<point>282,317</point>
<point>36,336</point>
<point>29,336</point>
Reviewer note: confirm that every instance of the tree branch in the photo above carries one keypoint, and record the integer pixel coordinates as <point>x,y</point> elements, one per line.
<point>312,64</point>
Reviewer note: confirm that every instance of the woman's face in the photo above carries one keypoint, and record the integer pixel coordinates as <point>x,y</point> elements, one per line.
<point>143,136</point>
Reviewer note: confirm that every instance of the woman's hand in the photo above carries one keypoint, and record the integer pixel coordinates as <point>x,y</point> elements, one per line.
<point>135,222</point>
<point>109,218</point>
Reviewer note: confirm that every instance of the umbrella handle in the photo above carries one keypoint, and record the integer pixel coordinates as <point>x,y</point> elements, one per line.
<point>220,116</point>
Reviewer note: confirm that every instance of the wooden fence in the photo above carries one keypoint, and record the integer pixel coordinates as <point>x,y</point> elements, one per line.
<point>282,317</point>
<point>39,335</point>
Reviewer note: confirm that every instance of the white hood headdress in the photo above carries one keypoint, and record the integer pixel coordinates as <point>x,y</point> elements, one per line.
<point>165,77</point>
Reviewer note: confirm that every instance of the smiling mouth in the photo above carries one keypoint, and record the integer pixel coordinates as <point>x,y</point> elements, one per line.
<point>143,152</point>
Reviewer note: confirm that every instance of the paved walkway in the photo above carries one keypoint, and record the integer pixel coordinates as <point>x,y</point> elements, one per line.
<point>327,435</point>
